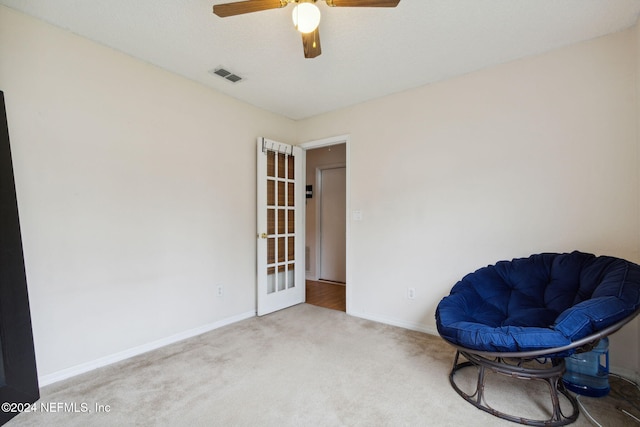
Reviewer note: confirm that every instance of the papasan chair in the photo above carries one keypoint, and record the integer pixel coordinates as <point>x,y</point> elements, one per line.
<point>523,317</point>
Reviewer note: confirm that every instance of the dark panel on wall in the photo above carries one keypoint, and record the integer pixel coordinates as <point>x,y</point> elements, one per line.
<point>19,378</point>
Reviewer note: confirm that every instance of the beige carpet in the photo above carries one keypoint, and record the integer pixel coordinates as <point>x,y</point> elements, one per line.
<point>304,366</point>
<point>621,407</point>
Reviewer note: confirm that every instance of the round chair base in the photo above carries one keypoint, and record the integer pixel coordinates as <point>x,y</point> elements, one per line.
<point>515,368</point>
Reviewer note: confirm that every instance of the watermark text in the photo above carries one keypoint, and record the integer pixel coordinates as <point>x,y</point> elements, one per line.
<point>54,407</point>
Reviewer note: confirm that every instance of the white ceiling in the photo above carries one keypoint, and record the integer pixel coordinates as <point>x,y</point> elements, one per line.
<point>366,52</point>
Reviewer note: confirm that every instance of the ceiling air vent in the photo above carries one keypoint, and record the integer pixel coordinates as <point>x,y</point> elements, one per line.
<point>226,74</point>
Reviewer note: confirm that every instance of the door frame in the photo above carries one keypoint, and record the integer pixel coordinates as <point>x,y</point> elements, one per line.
<point>327,142</point>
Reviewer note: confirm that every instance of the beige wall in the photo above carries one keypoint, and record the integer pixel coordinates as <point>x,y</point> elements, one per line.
<point>128,179</point>
<point>535,155</point>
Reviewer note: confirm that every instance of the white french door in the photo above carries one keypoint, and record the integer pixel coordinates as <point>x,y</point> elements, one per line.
<point>280,249</point>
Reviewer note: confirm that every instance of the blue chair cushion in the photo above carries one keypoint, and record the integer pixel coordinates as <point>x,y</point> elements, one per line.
<point>541,302</point>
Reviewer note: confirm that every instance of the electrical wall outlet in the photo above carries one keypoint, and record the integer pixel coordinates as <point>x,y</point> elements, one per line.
<point>411,293</point>
<point>219,291</point>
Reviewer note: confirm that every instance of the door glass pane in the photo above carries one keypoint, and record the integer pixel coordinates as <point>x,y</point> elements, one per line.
<point>282,278</point>
<point>281,250</point>
<point>271,251</point>
<point>271,221</point>
<point>291,249</point>
<point>281,222</point>
<point>291,194</point>
<point>282,162</point>
<point>291,163</point>
<point>271,193</point>
<point>291,225</point>
<point>271,280</point>
<point>291,276</point>
<point>271,163</point>
<point>281,194</point>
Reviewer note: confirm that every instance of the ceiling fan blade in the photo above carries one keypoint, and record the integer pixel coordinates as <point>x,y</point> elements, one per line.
<point>363,3</point>
<point>311,44</point>
<point>247,6</point>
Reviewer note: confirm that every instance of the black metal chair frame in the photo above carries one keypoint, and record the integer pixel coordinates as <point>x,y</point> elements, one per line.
<point>513,364</point>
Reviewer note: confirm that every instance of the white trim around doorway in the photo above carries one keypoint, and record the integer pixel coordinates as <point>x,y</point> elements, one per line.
<point>341,139</point>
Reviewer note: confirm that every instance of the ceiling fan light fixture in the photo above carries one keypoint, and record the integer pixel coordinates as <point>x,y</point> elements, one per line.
<point>306,17</point>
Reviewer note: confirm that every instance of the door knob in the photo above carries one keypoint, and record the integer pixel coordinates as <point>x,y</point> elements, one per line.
<point>263,235</point>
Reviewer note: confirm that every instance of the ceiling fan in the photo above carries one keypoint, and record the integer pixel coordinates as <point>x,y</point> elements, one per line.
<point>306,15</point>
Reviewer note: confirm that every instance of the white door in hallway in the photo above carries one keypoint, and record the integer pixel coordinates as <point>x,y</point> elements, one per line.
<point>280,225</point>
<point>333,211</point>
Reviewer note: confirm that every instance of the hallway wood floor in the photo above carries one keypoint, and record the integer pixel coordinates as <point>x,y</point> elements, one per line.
<point>327,295</point>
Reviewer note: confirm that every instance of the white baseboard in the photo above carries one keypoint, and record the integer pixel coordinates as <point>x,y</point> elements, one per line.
<point>396,322</point>
<point>135,351</point>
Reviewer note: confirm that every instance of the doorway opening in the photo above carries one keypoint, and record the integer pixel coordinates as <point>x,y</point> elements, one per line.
<point>326,223</point>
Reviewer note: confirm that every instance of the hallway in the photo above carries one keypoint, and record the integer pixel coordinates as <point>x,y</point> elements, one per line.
<point>327,295</point>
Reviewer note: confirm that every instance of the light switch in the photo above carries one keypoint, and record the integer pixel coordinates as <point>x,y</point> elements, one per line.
<point>356,215</point>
